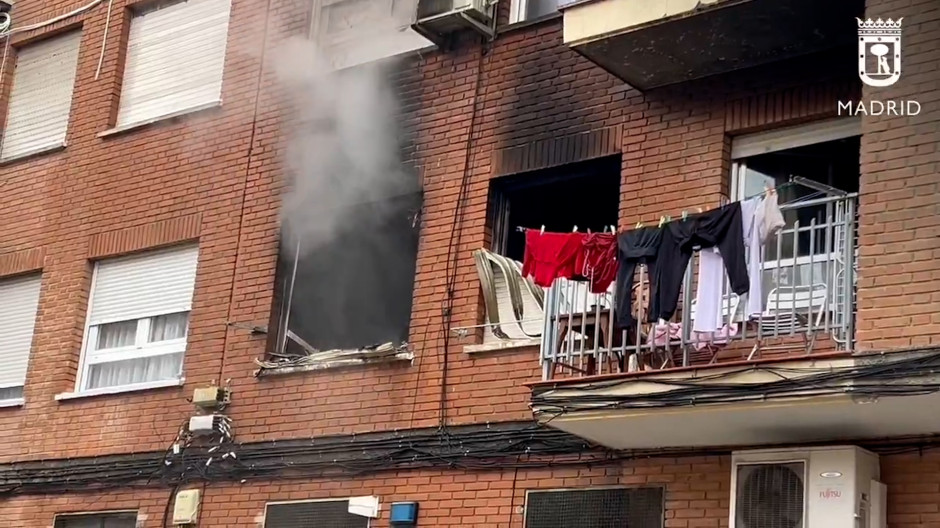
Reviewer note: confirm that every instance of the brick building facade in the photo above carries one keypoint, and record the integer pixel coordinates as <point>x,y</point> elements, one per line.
<point>524,103</point>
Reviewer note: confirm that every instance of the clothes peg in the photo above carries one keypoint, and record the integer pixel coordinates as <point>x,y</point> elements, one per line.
<point>542,232</point>
<point>575,230</point>
<point>685,215</point>
<point>699,210</point>
<point>613,228</point>
<point>662,221</point>
<point>639,224</point>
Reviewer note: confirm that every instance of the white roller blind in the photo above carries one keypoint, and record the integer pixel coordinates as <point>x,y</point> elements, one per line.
<point>19,299</point>
<point>175,57</point>
<point>796,136</point>
<point>145,285</point>
<point>41,97</point>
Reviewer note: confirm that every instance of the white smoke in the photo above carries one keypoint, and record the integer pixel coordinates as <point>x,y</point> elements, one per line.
<point>343,155</point>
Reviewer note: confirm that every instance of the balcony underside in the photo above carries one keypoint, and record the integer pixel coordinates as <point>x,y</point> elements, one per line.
<point>650,44</point>
<point>824,398</point>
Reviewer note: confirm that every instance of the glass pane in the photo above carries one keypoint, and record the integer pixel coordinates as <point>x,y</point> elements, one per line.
<point>114,335</point>
<point>131,371</point>
<point>171,326</point>
<point>540,8</point>
<point>11,393</point>
<point>104,520</point>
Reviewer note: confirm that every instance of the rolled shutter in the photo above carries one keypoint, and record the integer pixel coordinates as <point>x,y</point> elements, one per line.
<point>175,58</point>
<point>145,285</point>
<point>20,300</point>
<point>41,97</point>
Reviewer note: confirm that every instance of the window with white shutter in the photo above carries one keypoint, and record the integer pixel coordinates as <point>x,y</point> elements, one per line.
<point>138,318</point>
<point>174,61</point>
<point>19,299</point>
<point>41,97</point>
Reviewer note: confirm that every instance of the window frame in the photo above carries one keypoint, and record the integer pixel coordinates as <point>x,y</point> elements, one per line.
<point>118,125</point>
<point>57,516</point>
<point>8,93</point>
<point>264,524</point>
<point>621,487</point>
<point>518,9</point>
<point>141,348</point>
<point>19,400</point>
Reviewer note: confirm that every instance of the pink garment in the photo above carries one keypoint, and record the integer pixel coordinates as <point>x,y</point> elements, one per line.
<point>664,334</point>
<point>716,339</point>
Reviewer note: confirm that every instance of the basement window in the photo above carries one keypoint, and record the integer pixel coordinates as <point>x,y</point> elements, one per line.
<point>595,508</point>
<point>585,195</point>
<point>331,513</point>
<point>346,298</point>
<point>126,519</point>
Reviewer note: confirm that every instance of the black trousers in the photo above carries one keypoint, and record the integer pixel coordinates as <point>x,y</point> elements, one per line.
<point>639,246</point>
<point>720,227</point>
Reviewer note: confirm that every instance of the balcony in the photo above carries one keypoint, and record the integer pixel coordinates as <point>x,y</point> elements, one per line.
<point>651,44</point>
<point>787,375</point>
<point>809,292</point>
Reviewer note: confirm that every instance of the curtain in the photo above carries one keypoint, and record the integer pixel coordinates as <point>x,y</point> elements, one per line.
<point>138,370</point>
<point>115,335</point>
<point>171,326</point>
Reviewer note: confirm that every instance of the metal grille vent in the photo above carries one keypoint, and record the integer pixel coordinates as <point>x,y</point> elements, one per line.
<point>595,508</point>
<point>769,496</point>
<point>98,520</point>
<point>316,514</point>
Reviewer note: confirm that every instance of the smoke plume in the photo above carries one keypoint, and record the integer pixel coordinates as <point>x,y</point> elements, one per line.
<point>350,203</point>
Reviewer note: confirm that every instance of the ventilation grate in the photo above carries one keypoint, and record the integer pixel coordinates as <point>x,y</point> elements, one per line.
<point>316,514</point>
<point>595,508</point>
<point>769,496</point>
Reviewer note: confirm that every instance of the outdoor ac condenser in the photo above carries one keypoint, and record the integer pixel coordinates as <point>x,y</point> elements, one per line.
<point>438,19</point>
<point>825,487</point>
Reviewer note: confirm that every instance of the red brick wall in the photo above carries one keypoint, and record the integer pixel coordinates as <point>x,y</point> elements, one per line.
<point>223,165</point>
<point>698,494</point>
<point>899,278</point>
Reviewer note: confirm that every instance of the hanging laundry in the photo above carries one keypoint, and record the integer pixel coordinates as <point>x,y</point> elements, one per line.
<point>720,228</point>
<point>598,260</point>
<point>551,255</point>
<point>708,315</point>
<point>639,246</point>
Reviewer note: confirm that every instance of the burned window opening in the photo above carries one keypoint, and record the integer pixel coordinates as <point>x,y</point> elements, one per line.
<point>586,195</point>
<point>350,221</point>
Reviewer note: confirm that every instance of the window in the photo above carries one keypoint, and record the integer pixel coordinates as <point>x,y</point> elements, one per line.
<point>354,32</point>
<point>41,97</point>
<point>809,250</point>
<point>322,514</point>
<point>585,195</point>
<point>174,62</point>
<point>17,318</point>
<point>138,319</point>
<point>595,508</point>
<point>523,10</point>
<point>97,520</point>
<point>353,288</point>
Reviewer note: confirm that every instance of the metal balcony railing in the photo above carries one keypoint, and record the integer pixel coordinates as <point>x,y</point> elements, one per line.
<point>808,303</point>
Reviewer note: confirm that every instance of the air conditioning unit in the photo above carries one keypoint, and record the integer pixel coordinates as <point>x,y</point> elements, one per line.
<point>826,487</point>
<point>437,20</point>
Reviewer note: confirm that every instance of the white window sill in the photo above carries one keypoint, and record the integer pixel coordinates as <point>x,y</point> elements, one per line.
<point>55,147</point>
<point>507,344</point>
<point>120,389</point>
<point>127,127</point>
<point>14,402</point>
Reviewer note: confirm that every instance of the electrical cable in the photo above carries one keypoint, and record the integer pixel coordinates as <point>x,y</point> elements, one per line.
<point>51,21</point>
<point>453,244</point>
<point>877,376</point>
<point>104,39</point>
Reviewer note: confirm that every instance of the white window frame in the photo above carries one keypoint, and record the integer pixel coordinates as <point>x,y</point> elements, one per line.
<point>750,145</point>
<point>19,400</point>
<point>126,118</point>
<point>518,8</point>
<point>57,516</point>
<point>139,350</point>
<point>308,501</point>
